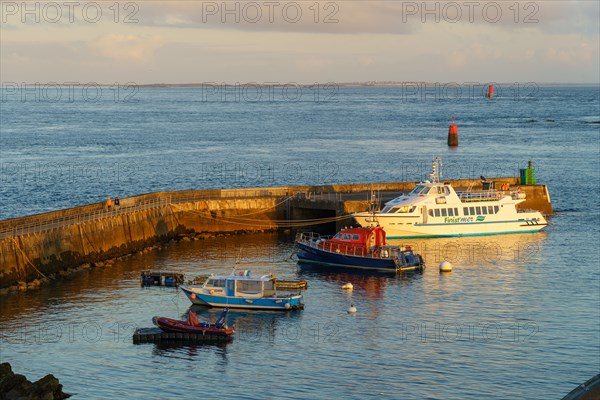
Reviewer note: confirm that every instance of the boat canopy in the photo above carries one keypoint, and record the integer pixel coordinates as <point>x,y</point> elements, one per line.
<point>260,278</point>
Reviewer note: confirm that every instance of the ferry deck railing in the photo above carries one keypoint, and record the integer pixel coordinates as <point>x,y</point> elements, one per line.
<point>488,195</point>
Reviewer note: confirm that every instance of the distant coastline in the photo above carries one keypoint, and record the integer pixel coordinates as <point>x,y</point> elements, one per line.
<point>371,84</point>
<point>343,84</point>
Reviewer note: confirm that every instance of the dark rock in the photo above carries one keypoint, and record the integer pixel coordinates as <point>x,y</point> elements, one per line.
<point>48,387</point>
<point>16,386</point>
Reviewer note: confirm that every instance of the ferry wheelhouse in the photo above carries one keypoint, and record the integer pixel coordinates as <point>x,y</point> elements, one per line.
<point>435,209</point>
<point>362,247</point>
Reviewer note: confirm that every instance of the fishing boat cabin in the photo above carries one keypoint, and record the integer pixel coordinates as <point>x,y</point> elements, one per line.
<point>355,241</point>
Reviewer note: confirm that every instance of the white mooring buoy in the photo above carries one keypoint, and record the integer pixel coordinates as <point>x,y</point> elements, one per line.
<point>445,266</point>
<point>348,286</point>
<point>352,309</point>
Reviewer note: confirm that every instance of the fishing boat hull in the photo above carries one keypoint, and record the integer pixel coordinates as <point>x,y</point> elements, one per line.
<point>313,254</point>
<point>284,303</point>
<point>176,326</point>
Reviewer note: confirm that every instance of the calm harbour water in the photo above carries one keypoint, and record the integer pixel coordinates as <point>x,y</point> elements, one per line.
<point>518,317</point>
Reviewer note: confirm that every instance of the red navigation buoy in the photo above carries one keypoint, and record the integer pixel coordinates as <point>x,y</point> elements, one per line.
<point>453,134</point>
<point>490,92</point>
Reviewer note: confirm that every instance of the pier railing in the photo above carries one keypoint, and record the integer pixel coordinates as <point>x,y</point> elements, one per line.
<point>57,219</point>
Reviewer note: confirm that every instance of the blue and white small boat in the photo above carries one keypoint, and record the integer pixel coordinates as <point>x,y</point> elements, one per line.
<point>243,291</point>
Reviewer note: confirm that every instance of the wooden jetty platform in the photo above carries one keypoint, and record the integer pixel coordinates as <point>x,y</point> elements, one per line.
<point>155,335</point>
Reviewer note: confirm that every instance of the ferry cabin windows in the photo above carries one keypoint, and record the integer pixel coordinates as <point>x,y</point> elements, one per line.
<point>442,190</point>
<point>483,210</point>
<point>398,209</point>
<point>405,209</point>
<point>467,211</point>
<point>422,190</point>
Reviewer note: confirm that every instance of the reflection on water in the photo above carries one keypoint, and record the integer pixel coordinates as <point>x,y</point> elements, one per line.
<point>373,283</point>
<point>516,312</point>
<point>515,249</point>
<point>495,309</point>
<point>192,351</point>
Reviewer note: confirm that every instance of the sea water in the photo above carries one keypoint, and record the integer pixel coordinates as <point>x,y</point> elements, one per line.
<point>518,316</point>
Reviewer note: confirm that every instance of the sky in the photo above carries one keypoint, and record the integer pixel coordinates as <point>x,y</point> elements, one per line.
<point>147,42</point>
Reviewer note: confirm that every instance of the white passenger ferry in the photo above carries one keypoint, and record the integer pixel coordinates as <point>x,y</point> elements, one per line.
<point>435,209</point>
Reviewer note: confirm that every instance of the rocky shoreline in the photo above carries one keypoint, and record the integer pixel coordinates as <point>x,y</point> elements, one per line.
<point>17,387</point>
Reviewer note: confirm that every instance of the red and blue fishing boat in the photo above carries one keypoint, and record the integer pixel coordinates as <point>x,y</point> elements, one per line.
<point>362,247</point>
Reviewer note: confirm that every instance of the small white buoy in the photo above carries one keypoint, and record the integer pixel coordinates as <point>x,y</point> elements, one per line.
<point>287,306</point>
<point>445,266</point>
<point>352,309</point>
<point>348,286</point>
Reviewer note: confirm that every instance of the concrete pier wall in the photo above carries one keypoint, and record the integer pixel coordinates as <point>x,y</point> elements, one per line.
<point>116,232</point>
<point>40,245</point>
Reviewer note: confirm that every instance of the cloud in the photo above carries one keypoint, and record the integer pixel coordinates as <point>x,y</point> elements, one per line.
<point>583,54</point>
<point>377,16</point>
<point>126,47</point>
<point>346,17</point>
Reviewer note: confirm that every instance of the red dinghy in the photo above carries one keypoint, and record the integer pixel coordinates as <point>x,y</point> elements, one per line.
<point>192,325</point>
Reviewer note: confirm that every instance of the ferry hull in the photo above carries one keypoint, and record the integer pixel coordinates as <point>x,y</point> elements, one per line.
<point>424,230</point>
<point>310,254</point>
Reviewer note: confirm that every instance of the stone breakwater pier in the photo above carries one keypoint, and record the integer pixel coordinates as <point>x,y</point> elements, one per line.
<point>40,247</point>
